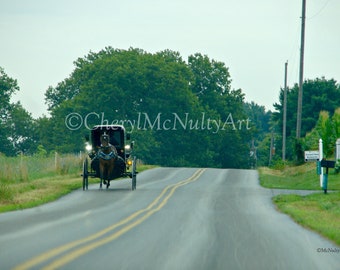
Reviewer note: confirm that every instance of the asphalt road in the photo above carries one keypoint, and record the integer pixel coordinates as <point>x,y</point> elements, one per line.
<point>178,218</point>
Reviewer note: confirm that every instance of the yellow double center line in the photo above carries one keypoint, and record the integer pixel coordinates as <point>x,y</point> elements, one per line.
<point>96,240</point>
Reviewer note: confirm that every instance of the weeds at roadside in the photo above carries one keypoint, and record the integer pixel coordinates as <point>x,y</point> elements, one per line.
<point>46,179</point>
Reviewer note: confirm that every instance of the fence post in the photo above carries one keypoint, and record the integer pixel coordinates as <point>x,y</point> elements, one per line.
<point>56,160</point>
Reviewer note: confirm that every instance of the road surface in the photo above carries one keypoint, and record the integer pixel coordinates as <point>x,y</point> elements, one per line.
<point>178,218</point>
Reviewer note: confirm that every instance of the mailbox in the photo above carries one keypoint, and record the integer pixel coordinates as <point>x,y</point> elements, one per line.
<point>327,163</point>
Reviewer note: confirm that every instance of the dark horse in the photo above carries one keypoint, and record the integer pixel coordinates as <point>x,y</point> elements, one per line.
<point>107,157</point>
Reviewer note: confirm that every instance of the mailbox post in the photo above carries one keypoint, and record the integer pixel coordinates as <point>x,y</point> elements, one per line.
<point>326,164</point>
<point>320,158</point>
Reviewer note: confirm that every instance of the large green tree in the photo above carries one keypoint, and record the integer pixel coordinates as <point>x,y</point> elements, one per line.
<point>22,129</point>
<point>17,125</point>
<point>127,85</point>
<point>319,95</point>
<point>168,100</point>
<point>212,86</point>
<point>8,87</point>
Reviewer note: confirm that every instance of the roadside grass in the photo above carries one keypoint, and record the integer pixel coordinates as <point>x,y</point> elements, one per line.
<point>26,168</point>
<point>302,177</point>
<point>319,212</point>
<point>36,192</point>
<point>42,180</point>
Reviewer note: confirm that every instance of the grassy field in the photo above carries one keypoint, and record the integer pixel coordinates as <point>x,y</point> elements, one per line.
<point>31,181</point>
<point>319,212</point>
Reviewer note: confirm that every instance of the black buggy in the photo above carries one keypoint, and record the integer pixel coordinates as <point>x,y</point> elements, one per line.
<point>109,155</point>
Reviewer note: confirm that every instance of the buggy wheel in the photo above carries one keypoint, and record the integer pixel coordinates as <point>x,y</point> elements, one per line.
<point>85,175</point>
<point>134,173</point>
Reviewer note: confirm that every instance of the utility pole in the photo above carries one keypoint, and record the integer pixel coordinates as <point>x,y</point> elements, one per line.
<point>302,49</point>
<point>284,115</point>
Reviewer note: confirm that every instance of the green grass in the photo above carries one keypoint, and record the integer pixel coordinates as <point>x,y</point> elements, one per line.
<point>319,212</point>
<point>27,182</point>
<point>301,177</point>
<point>36,192</point>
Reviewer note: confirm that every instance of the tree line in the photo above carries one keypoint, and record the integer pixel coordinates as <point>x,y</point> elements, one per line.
<point>321,101</point>
<point>179,113</point>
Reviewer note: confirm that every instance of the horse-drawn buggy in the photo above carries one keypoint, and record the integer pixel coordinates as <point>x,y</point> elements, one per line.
<point>109,155</point>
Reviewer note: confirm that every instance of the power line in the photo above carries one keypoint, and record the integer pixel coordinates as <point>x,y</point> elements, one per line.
<point>320,10</point>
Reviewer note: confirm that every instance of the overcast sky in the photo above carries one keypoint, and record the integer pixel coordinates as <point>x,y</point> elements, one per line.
<point>40,39</point>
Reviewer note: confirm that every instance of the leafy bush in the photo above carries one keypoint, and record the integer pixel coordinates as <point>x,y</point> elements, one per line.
<point>337,166</point>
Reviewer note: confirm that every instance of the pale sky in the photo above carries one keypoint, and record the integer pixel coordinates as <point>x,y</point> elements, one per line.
<point>40,39</point>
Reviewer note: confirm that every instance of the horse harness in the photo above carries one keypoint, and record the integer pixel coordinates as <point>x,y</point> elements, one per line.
<point>108,156</point>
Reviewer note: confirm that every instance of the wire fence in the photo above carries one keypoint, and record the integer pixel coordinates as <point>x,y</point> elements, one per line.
<point>24,168</point>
